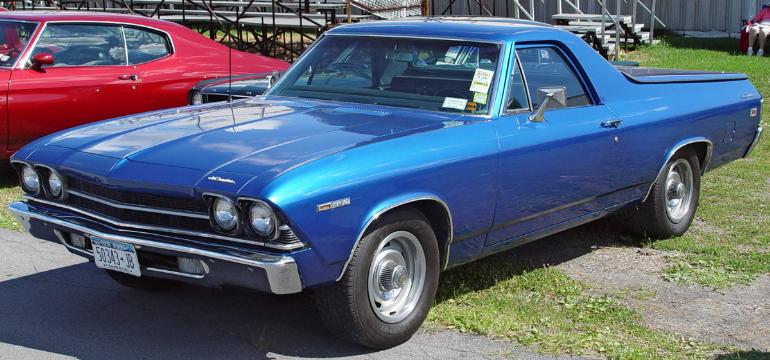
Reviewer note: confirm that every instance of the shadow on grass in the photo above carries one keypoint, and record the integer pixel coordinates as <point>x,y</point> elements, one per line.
<point>727,45</point>
<point>745,355</point>
<point>549,251</point>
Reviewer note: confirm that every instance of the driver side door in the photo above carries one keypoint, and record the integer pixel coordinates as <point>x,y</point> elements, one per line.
<point>562,169</point>
<point>88,81</point>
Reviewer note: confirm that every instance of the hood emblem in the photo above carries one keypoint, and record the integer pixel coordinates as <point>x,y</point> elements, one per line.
<point>332,204</point>
<point>221,179</point>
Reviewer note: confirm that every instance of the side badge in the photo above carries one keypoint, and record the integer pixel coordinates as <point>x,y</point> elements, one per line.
<point>332,204</point>
<point>754,112</point>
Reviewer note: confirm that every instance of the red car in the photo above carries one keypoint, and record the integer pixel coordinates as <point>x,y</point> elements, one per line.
<point>61,69</point>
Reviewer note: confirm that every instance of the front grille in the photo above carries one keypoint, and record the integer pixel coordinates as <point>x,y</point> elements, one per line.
<point>139,217</point>
<point>159,213</point>
<point>141,199</point>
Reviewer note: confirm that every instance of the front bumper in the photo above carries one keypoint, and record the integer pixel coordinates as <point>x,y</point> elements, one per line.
<point>277,274</point>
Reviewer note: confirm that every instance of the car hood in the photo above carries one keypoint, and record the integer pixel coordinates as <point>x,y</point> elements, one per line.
<point>246,137</point>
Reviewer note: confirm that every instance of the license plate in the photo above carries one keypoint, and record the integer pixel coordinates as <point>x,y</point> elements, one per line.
<point>116,256</point>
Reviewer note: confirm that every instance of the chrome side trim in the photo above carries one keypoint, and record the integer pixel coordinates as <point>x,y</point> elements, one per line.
<point>176,273</point>
<point>391,207</point>
<point>281,270</point>
<point>163,229</point>
<point>137,208</point>
<point>755,142</point>
<point>674,150</point>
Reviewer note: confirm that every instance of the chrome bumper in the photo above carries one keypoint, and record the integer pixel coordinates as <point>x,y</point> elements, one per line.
<point>280,271</point>
<point>755,142</point>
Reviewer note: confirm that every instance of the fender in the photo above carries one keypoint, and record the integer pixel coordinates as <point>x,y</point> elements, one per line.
<point>390,204</point>
<point>673,150</point>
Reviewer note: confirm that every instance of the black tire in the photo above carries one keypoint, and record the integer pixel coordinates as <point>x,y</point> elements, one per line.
<point>345,306</point>
<point>143,283</point>
<point>650,218</point>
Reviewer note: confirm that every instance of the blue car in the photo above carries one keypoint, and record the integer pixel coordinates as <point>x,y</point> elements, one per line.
<point>388,152</point>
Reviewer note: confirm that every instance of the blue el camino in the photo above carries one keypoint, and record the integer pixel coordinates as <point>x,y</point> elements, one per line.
<point>388,152</point>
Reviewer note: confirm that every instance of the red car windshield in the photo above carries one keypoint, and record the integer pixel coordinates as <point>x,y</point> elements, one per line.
<point>14,38</point>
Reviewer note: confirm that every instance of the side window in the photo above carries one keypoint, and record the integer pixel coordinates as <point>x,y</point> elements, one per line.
<point>547,67</point>
<point>82,44</point>
<point>517,94</point>
<point>146,45</point>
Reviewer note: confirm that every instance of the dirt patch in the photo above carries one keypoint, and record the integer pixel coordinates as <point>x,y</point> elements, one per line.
<point>739,316</point>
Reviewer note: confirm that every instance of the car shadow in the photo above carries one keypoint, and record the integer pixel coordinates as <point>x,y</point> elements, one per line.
<point>549,251</point>
<point>79,311</point>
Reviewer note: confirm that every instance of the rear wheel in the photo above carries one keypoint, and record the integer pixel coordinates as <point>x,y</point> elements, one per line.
<point>670,208</point>
<point>142,283</point>
<point>388,286</point>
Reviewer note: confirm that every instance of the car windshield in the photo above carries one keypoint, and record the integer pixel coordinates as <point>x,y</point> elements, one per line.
<point>437,75</point>
<point>14,37</point>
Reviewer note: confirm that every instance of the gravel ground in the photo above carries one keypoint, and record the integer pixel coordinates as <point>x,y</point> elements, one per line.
<point>615,265</point>
<point>56,305</point>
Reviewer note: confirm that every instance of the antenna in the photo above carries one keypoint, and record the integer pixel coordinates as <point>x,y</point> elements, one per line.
<point>229,52</point>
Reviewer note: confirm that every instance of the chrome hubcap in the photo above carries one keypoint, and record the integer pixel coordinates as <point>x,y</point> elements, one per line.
<point>396,276</point>
<point>679,185</point>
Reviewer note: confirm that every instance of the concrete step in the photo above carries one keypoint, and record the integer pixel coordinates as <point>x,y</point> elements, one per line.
<point>590,17</point>
<point>635,29</point>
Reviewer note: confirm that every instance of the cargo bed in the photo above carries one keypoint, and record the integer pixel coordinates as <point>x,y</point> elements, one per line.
<point>644,75</point>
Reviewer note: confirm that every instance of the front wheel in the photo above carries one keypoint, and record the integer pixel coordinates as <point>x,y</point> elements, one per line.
<point>670,207</point>
<point>388,286</point>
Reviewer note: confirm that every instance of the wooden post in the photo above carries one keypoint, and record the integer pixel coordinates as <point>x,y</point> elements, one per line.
<point>350,11</point>
<point>652,21</point>
<point>633,12</point>
<point>604,21</point>
<point>558,7</point>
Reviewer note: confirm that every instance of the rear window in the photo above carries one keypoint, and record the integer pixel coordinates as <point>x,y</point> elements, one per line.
<point>145,45</point>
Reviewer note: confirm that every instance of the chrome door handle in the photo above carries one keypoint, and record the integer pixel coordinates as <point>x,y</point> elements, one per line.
<point>612,123</point>
<point>131,77</point>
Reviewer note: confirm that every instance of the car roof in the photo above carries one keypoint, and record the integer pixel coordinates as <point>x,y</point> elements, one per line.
<point>67,15</point>
<point>480,28</point>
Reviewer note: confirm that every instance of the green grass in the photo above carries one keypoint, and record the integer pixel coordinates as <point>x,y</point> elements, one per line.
<point>9,191</point>
<point>545,308</point>
<point>730,242</point>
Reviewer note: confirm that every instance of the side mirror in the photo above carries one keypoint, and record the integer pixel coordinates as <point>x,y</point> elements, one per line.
<point>273,78</point>
<point>41,59</point>
<point>551,98</point>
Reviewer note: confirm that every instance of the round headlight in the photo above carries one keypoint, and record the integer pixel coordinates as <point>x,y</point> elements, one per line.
<point>30,180</point>
<point>225,214</point>
<point>55,184</point>
<point>262,219</point>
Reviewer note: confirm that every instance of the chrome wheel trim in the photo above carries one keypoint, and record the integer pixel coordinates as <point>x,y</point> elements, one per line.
<point>678,190</point>
<point>396,276</point>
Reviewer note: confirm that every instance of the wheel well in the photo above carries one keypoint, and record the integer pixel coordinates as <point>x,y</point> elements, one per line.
<point>703,150</point>
<point>439,219</point>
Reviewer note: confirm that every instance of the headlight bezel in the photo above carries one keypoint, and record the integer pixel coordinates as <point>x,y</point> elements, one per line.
<point>22,178</point>
<point>273,217</point>
<point>46,182</point>
<point>214,200</point>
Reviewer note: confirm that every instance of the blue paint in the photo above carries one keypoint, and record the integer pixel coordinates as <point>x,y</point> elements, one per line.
<point>505,179</point>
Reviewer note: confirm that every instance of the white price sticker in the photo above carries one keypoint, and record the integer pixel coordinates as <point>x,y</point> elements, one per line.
<point>482,80</point>
<point>454,103</point>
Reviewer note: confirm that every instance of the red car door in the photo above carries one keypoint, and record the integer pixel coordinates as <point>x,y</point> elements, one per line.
<point>88,81</point>
<point>167,79</point>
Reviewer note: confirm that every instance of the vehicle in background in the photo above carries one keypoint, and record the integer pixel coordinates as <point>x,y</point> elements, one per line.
<point>390,151</point>
<point>63,69</point>
<point>231,88</point>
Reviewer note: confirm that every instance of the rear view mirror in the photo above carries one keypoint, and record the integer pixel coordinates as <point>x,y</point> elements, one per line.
<point>550,98</point>
<point>41,59</point>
